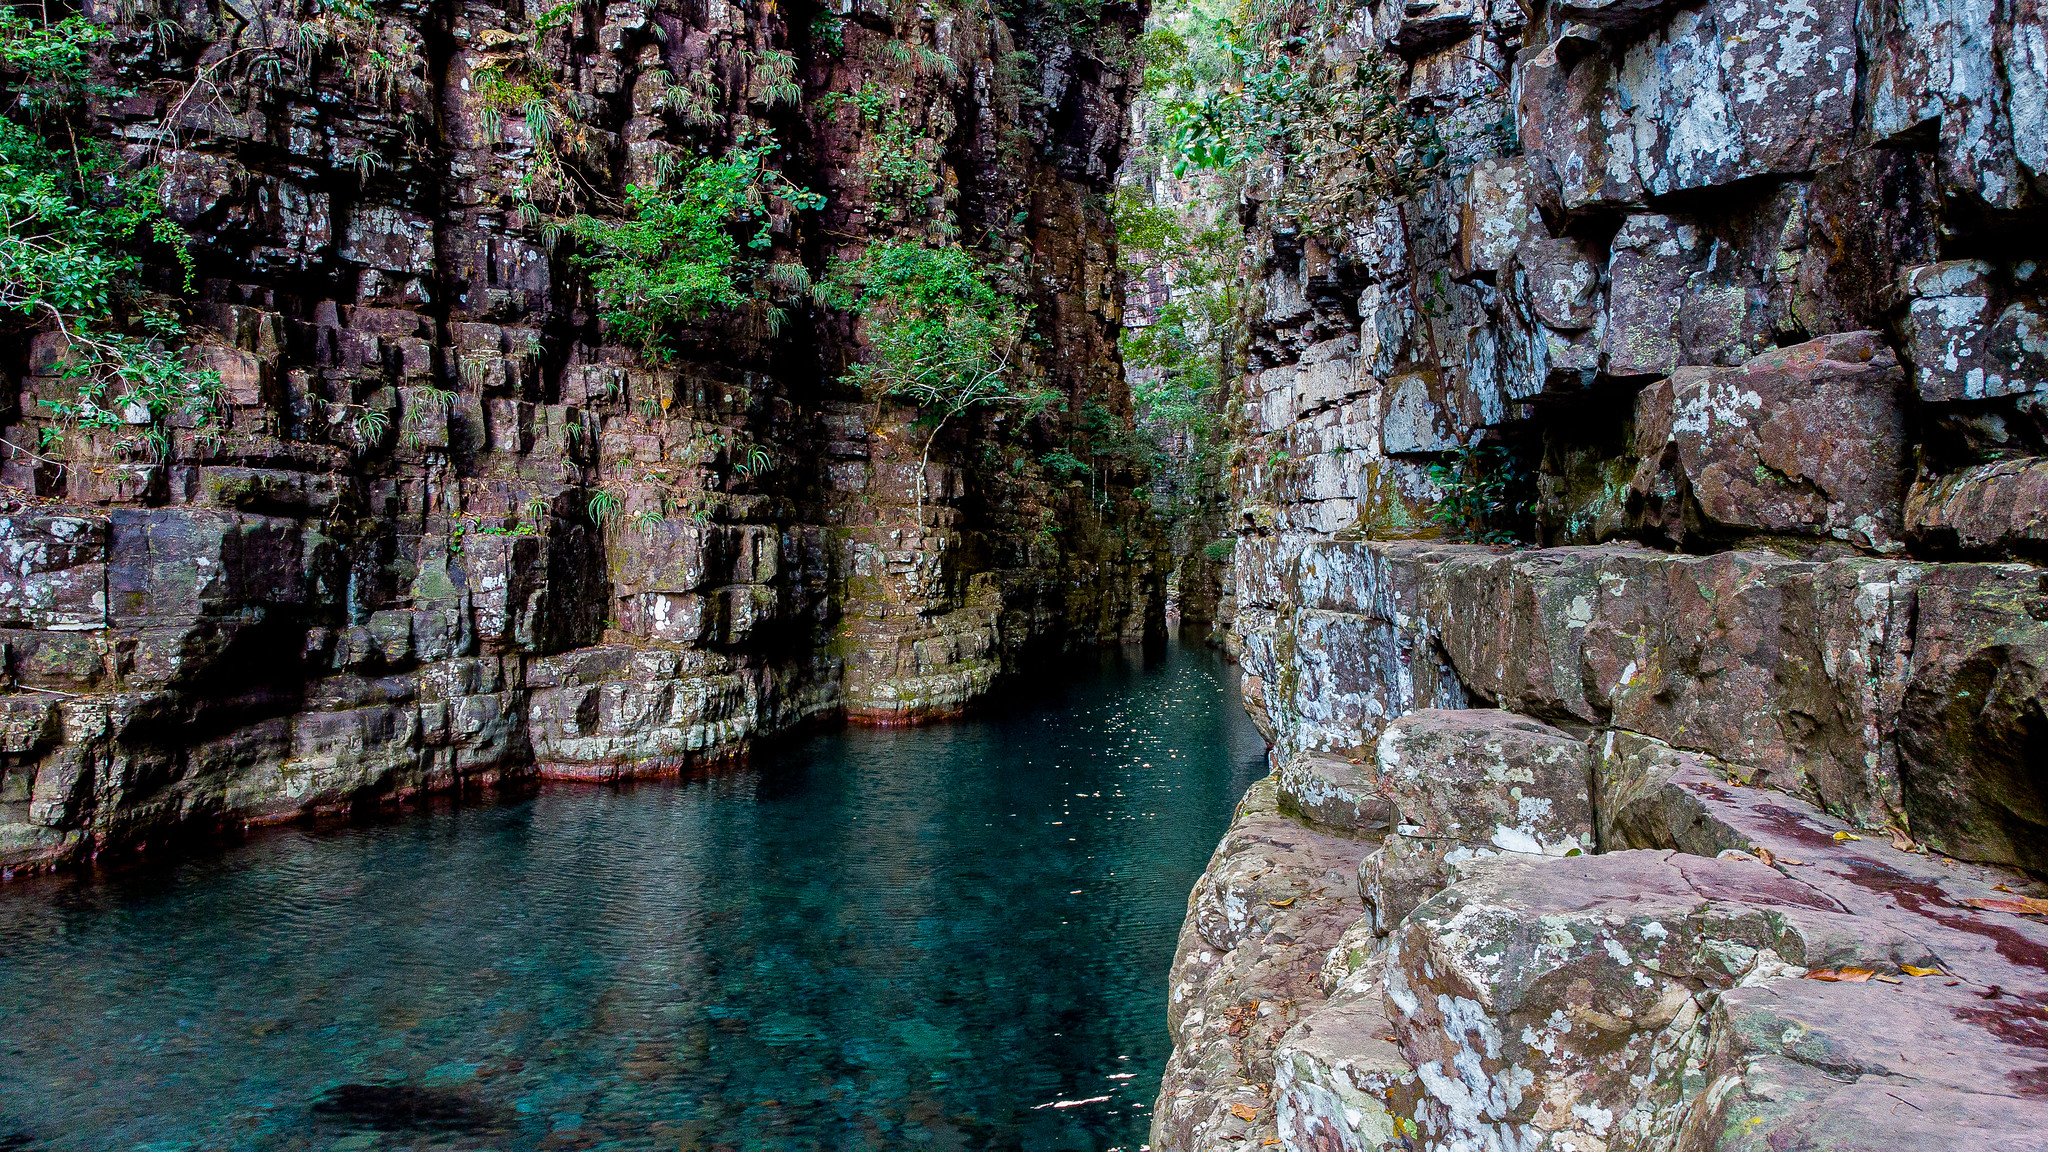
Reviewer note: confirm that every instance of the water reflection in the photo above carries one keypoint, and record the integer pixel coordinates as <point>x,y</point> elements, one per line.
<point>923,938</point>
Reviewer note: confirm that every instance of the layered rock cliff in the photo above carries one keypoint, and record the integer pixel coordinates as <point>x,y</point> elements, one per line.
<point>1637,575</point>
<point>449,526</point>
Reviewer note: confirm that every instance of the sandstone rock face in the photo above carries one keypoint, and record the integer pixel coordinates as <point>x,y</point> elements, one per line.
<point>1740,336</point>
<point>1266,913</point>
<point>1490,777</point>
<point>1807,441</point>
<point>450,528</point>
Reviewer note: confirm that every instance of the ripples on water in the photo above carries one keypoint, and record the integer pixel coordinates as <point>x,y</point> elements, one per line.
<point>896,939</point>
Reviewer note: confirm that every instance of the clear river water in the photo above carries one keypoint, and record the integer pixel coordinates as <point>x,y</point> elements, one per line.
<point>950,937</point>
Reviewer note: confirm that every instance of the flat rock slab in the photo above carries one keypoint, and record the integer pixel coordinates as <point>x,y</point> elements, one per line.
<point>1657,796</point>
<point>1484,776</point>
<point>1925,1064</point>
<point>1274,901</point>
<point>1338,792</point>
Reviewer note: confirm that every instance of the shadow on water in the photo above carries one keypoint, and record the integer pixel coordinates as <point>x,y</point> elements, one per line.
<point>937,937</point>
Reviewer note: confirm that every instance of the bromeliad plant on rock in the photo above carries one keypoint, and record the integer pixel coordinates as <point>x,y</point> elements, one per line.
<point>940,335</point>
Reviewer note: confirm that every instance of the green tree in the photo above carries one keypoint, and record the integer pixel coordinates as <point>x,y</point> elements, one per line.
<point>940,334</point>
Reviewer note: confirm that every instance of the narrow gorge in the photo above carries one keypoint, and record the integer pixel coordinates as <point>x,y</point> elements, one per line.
<point>1608,437</point>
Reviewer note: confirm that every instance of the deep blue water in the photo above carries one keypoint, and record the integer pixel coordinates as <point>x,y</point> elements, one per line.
<point>897,939</point>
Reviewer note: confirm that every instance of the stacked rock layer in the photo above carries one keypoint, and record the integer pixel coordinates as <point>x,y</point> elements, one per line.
<point>451,528</point>
<point>1704,815</point>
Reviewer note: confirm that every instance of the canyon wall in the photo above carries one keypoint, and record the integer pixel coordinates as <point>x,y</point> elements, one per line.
<point>1637,574</point>
<point>450,527</point>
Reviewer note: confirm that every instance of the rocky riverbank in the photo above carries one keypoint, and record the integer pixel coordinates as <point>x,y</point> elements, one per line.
<point>1636,573</point>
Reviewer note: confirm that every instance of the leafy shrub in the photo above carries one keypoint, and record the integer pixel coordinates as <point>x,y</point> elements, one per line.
<point>940,334</point>
<point>682,251</point>
<point>75,223</point>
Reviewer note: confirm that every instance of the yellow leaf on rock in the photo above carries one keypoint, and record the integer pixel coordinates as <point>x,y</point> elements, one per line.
<point>2018,906</point>
<point>1283,903</point>
<point>1244,1111</point>
<point>1847,836</point>
<point>1915,970</point>
<point>1842,975</point>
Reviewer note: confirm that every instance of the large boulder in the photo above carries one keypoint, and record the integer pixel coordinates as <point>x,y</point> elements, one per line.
<point>1806,441</point>
<point>1470,784</point>
<point>1484,776</point>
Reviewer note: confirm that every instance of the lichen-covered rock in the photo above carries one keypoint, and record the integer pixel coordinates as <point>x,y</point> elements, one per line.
<point>1965,340</point>
<point>1988,511</point>
<point>1918,1065</point>
<point>1484,776</point>
<point>1561,1003</point>
<point>1275,899</point>
<point>1336,792</point>
<point>1804,441</point>
<point>1335,1075</point>
<point>1793,667</point>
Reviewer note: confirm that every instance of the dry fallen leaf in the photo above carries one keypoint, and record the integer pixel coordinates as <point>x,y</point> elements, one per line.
<point>2019,906</point>
<point>1763,854</point>
<point>2000,888</point>
<point>1244,1111</point>
<point>1847,836</point>
<point>1269,1141</point>
<point>1916,970</point>
<point>1887,979</point>
<point>1282,903</point>
<point>1841,975</point>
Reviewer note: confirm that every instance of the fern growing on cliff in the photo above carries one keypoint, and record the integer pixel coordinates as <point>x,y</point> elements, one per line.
<point>940,334</point>
<point>75,225</point>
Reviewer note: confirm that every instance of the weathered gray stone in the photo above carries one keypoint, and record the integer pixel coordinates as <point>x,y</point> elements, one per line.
<point>1480,776</point>
<point>1334,1075</point>
<point>1335,792</point>
<point>1804,441</point>
<point>1274,900</point>
<point>1964,340</point>
<point>1554,1003</point>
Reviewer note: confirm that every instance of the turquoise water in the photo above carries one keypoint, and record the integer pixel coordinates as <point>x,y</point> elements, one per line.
<point>900,939</point>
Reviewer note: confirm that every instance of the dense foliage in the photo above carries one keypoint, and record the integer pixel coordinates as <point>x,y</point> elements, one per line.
<point>75,224</point>
<point>688,246</point>
<point>1239,89</point>
<point>940,334</point>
